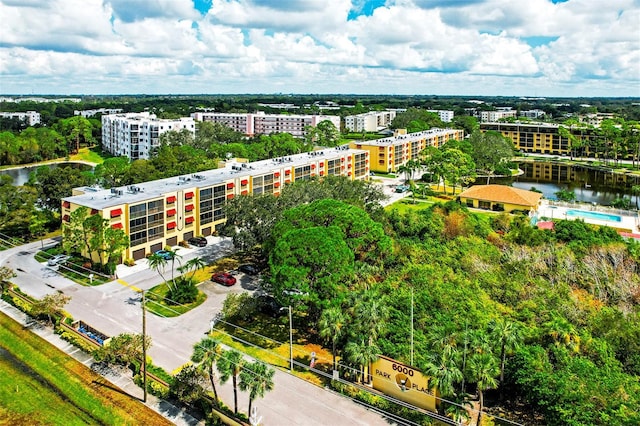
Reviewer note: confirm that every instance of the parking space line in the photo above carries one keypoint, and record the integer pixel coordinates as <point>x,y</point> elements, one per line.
<point>126,284</point>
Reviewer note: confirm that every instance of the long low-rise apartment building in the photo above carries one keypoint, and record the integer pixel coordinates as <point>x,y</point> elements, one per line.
<point>544,138</point>
<point>388,154</point>
<point>135,135</point>
<point>260,123</point>
<point>165,212</point>
<point>30,117</point>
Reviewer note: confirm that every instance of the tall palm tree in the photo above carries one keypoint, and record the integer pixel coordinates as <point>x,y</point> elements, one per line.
<point>362,354</point>
<point>483,370</point>
<point>444,372</point>
<point>158,264</point>
<point>257,378</point>
<point>331,324</point>
<point>192,265</point>
<point>206,353</point>
<point>508,336</point>
<point>230,365</point>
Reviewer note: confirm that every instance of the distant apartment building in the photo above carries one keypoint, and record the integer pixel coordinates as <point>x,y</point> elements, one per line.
<point>165,212</point>
<point>135,135</point>
<point>372,121</point>
<point>500,114</point>
<point>30,117</point>
<point>445,115</point>
<point>533,114</point>
<point>92,112</point>
<point>388,154</point>
<point>596,119</point>
<point>39,99</point>
<point>542,138</point>
<point>260,123</point>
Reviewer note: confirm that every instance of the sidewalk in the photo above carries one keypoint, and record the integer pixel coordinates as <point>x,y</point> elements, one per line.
<point>120,378</point>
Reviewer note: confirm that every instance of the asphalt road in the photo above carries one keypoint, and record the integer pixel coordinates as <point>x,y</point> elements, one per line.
<point>114,308</point>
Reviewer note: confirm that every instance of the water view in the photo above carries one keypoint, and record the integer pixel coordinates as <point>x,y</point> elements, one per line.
<point>21,175</point>
<point>589,185</point>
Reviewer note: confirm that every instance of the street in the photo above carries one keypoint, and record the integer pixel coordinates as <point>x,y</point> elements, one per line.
<point>114,308</point>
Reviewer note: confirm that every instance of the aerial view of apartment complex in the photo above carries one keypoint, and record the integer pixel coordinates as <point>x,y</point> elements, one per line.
<point>165,212</point>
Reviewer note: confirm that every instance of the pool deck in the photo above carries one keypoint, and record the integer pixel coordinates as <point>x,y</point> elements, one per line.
<point>630,222</point>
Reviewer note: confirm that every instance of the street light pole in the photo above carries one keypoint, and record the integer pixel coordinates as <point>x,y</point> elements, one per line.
<point>290,340</point>
<point>144,348</point>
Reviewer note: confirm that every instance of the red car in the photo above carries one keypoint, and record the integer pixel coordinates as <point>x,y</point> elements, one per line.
<point>223,278</point>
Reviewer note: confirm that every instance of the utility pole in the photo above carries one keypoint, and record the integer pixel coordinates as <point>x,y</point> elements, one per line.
<point>144,349</point>
<point>290,340</point>
<point>412,327</point>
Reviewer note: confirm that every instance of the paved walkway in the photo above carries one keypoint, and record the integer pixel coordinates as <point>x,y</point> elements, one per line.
<point>119,377</point>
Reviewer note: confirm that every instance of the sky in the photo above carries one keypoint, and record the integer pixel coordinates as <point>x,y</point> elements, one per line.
<point>537,48</point>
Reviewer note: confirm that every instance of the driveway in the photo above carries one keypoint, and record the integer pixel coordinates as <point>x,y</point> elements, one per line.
<point>114,308</point>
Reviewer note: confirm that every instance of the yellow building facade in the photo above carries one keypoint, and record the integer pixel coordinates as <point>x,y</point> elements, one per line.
<point>165,212</point>
<point>388,154</point>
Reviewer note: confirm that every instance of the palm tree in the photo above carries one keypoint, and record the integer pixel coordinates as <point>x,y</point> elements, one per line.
<point>257,378</point>
<point>206,353</point>
<point>158,264</point>
<point>192,265</point>
<point>563,333</point>
<point>508,336</point>
<point>331,323</point>
<point>444,372</point>
<point>483,370</point>
<point>229,365</point>
<point>363,355</point>
<point>635,190</point>
<point>458,411</point>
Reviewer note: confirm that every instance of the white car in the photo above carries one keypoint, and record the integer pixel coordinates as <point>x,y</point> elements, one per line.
<point>57,259</point>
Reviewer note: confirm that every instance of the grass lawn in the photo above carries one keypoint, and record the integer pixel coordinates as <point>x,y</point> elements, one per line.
<point>92,155</point>
<point>156,304</point>
<point>41,385</point>
<point>270,349</point>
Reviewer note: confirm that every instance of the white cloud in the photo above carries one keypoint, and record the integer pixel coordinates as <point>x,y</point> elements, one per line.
<point>577,47</point>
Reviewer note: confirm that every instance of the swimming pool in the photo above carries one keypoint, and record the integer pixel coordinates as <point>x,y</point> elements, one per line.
<point>594,215</point>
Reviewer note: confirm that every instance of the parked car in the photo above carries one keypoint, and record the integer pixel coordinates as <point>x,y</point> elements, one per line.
<point>268,305</point>
<point>58,259</point>
<point>402,188</point>
<point>166,255</point>
<point>249,269</point>
<point>223,278</point>
<point>198,241</point>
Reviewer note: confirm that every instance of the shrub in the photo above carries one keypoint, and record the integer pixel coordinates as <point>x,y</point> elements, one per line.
<point>129,262</point>
<point>78,342</point>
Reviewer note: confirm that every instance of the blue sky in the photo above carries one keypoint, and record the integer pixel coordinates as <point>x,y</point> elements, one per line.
<point>441,47</point>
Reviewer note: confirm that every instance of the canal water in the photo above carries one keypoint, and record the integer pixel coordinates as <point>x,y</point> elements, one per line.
<point>21,175</point>
<point>589,185</point>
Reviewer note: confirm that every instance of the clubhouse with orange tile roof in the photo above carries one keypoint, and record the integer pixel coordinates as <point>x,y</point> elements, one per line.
<point>500,198</point>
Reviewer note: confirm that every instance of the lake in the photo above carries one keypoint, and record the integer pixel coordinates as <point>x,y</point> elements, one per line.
<point>21,175</point>
<point>589,185</point>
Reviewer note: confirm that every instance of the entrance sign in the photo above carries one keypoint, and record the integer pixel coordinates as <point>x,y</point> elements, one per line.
<point>404,382</point>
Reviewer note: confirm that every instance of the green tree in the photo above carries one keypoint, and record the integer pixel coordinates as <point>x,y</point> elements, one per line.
<point>76,130</point>
<point>457,167</point>
<point>122,349</point>
<point>508,337</point>
<point>113,172</point>
<point>331,324</point>
<point>17,207</point>
<point>490,150</point>
<point>206,353</point>
<point>483,370</point>
<point>6,274</point>
<point>229,366</point>
<point>188,384</point>
<point>324,133</point>
<point>257,378</point>
<point>50,305</point>
<point>362,354</point>
<point>159,263</point>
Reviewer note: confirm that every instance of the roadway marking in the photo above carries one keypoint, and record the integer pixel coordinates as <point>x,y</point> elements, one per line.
<point>126,284</point>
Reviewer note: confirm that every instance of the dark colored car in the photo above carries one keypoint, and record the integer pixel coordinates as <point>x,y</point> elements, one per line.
<point>198,241</point>
<point>249,269</point>
<point>223,278</point>
<point>270,306</point>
